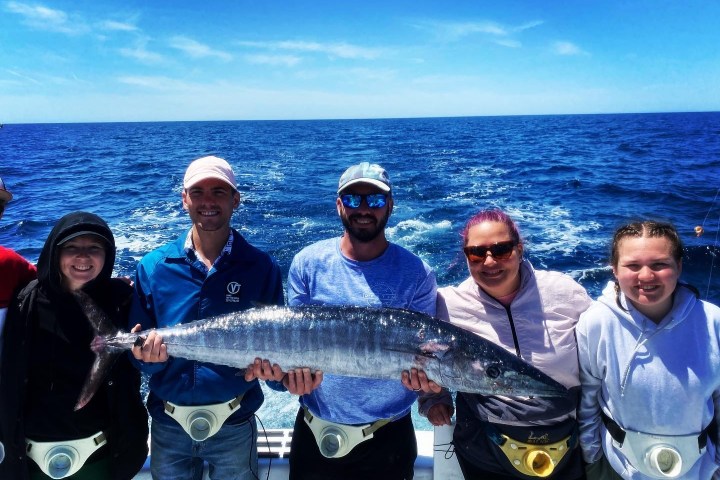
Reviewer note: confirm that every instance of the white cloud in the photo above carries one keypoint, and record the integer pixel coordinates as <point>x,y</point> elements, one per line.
<point>42,79</point>
<point>118,26</point>
<point>196,49</point>
<point>457,30</point>
<point>567,48</point>
<point>283,60</point>
<point>22,76</point>
<point>341,50</point>
<point>44,18</point>
<point>154,82</point>
<point>506,42</point>
<point>454,31</point>
<point>141,54</point>
<point>528,25</point>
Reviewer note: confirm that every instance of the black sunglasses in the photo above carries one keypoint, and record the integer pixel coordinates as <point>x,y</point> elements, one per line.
<point>373,200</point>
<point>499,251</point>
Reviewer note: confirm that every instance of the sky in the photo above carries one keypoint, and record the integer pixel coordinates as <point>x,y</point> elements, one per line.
<point>158,60</point>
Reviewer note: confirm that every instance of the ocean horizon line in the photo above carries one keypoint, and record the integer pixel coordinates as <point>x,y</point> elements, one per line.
<point>347,119</point>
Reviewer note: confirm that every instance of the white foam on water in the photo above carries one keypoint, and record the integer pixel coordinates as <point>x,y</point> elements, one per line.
<point>410,232</point>
<point>150,227</point>
<point>553,230</point>
<point>304,223</point>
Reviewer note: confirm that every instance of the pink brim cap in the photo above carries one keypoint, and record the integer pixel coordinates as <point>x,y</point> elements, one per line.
<point>209,167</point>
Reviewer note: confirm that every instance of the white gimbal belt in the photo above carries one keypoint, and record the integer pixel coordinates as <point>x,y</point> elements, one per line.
<point>203,421</point>
<point>336,440</point>
<point>658,456</point>
<point>62,459</point>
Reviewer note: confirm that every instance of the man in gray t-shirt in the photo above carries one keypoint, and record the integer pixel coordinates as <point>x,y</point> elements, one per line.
<point>359,268</point>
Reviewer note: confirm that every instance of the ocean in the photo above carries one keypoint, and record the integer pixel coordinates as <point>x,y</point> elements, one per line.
<point>567,180</point>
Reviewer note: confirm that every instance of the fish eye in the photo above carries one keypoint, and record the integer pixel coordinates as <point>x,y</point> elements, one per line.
<point>493,371</point>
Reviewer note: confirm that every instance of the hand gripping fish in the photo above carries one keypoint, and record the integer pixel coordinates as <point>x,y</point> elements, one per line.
<point>340,340</point>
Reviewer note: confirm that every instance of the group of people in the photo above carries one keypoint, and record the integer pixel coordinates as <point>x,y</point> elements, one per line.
<point>641,365</point>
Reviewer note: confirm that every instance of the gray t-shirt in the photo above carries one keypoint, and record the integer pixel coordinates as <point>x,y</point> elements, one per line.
<point>321,275</point>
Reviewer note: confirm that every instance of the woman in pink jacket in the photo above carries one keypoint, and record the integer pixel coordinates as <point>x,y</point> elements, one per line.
<point>531,313</point>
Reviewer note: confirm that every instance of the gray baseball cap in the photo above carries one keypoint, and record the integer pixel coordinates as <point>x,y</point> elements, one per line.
<point>365,172</point>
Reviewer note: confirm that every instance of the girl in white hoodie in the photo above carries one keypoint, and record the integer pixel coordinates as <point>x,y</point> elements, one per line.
<point>649,353</point>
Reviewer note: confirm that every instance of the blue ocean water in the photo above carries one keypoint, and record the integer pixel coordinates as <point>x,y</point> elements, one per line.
<point>568,180</point>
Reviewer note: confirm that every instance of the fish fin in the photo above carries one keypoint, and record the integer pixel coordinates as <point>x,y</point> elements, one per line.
<point>99,321</point>
<point>104,359</point>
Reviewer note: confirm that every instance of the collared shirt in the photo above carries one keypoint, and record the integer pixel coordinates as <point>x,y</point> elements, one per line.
<point>172,287</point>
<point>192,252</point>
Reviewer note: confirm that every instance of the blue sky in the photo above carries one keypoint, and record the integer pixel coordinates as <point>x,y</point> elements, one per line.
<point>77,61</point>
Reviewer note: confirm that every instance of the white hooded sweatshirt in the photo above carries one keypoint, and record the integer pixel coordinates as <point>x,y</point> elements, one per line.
<point>661,379</point>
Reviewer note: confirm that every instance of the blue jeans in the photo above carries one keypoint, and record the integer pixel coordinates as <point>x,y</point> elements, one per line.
<point>231,453</point>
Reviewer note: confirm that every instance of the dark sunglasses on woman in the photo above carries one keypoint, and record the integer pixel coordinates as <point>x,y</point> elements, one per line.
<point>499,251</point>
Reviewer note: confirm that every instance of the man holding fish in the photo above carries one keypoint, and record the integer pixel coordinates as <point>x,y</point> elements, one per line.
<point>344,295</point>
<point>202,411</point>
<point>357,427</point>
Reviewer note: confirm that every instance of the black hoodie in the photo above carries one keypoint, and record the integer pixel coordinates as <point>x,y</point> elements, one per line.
<point>46,358</point>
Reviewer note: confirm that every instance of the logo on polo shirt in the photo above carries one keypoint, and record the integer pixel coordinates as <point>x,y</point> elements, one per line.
<point>233,292</point>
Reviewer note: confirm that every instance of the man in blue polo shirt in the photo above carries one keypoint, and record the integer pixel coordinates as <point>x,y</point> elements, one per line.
<point>208,271</point>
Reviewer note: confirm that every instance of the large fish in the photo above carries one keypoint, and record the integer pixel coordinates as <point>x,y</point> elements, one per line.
<point>352,341</point>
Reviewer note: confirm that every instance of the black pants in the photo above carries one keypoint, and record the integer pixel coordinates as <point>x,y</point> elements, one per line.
<point>471,472</point>
<point>389,455</point>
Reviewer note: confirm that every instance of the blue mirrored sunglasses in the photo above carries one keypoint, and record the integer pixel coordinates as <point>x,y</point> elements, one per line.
<point>374,200</point>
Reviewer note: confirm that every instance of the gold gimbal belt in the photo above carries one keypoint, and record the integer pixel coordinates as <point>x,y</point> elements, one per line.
<point>532,459</point>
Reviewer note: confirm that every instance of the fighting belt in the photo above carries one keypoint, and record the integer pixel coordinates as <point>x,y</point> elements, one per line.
<point>658,456</point>
<point>203,421</point>
<point>532,459</point>
<point>336,440</point>
<point>62,459</point>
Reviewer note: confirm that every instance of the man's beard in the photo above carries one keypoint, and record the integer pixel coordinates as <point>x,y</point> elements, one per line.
<point>364,235</point>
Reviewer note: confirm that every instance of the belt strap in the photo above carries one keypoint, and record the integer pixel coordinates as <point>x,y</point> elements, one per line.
<point>615,431</point>
<point>367,431</point>
<point>500,439</point>
<point>232,405</point>
<point>618,434</point>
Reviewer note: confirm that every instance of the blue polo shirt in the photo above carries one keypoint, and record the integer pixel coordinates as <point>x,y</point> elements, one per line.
<point>173,286</point>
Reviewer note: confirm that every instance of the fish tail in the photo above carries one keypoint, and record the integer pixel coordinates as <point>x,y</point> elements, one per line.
<point>104,357</point>
<point>104,361</point>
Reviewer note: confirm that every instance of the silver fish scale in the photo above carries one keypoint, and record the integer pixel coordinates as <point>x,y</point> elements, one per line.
<point>353,341</point>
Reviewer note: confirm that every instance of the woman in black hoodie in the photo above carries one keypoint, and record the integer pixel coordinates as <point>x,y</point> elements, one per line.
<point>46,359</point>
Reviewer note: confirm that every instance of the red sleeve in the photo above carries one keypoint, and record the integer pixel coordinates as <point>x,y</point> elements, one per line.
<point>15,272</point>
